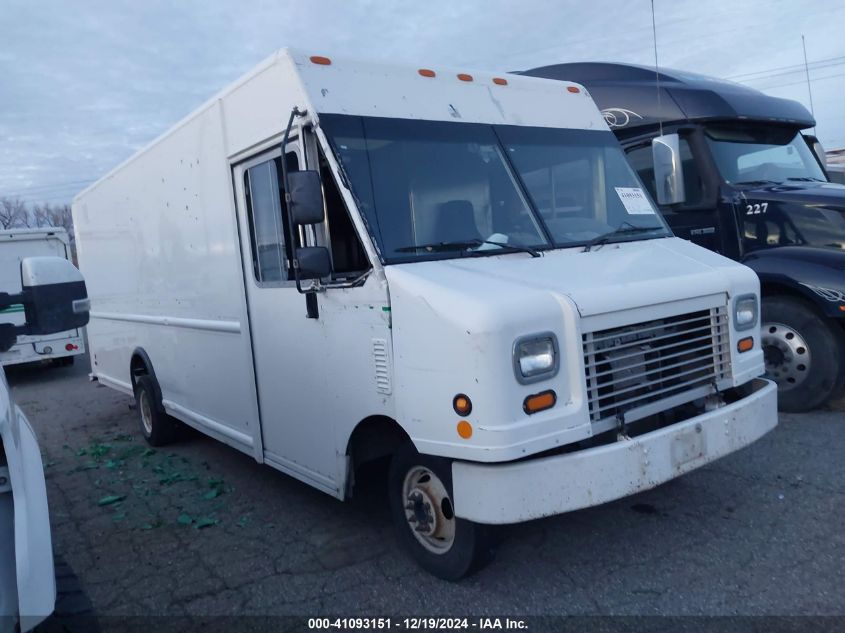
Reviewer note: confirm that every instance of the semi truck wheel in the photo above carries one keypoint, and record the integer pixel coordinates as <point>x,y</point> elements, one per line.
<point>157,427</point>
<point>421,505</point>
<point>802,353</point>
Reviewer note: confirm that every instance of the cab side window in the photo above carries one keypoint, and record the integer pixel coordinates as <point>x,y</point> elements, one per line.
<point>268,225</point>
<point>641,160</point>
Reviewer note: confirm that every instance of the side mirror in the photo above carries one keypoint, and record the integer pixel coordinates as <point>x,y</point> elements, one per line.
<point>54,298</point>
<point>668,171</point>
<point>314,262</point>
<point>305,197</point>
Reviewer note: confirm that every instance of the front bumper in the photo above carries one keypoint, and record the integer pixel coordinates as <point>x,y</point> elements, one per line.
<point>534,488</point>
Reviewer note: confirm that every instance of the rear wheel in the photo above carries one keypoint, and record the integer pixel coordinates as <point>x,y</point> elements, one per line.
<point>157,427</point>
<point>802,353</point>
<point>420,488</point>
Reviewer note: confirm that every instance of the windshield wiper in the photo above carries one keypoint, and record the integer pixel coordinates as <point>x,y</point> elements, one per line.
<point>806,179</point>
<point>626,228</point>
<point>440,247</point>
<point>757,182</point>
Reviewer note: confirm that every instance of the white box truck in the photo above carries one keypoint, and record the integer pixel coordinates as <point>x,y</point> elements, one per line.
<point>332,262</point>
<point>15,246</point>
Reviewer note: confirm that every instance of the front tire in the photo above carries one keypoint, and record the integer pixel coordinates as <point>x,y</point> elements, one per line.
<point>157,427</point>
<point>802,353</point>
<point>420,488</point>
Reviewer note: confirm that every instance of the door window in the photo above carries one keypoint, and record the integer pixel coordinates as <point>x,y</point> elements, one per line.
<point>268,225</point>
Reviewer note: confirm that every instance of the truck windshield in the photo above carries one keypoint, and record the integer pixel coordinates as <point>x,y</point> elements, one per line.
<point>434,190</point>
<point>759,155</point>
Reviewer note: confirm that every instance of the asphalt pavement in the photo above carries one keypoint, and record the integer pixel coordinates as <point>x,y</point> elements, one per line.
<point>198,528</point>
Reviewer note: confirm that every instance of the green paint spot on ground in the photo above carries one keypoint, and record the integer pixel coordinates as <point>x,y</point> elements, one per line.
<point>110,499</point>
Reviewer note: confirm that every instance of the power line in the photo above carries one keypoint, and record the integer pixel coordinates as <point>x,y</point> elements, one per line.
<point>795,67</point>
<point>803,81</point>
<point>26,191</point>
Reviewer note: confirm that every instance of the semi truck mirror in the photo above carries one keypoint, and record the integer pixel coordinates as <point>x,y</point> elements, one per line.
<point>305,197</point>
<point>313,262</point>
<point>54,298</point>
<point>668,171</point>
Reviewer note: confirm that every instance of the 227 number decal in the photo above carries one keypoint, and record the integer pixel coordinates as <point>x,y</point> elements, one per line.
<point>756,209</point>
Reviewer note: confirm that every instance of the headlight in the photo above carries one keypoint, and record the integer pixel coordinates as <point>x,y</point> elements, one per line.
<point>745,312</point>
<point>535,357</point>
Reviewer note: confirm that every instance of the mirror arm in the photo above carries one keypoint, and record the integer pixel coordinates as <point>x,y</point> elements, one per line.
<point>296,112</point>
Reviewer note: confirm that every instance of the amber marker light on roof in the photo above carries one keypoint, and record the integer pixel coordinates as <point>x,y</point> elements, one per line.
<point>320,60</point>
<point>464,77</point>
<point>426,72</point>
<point>499,81</point>
<point>573,89</point>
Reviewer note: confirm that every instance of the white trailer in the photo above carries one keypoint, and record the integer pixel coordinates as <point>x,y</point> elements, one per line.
<point>332,262</point>
<point>15,246</point>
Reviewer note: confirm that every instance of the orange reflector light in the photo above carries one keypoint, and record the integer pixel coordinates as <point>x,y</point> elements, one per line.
<point>573,89</point>
<point>499,81</point>
<point>462,405</point>
<point>464,77</point>
<point>539,402</point>
<point>745,344</point>
<point>842,308</point>
<point>465,429</point>
<point>322,61</point>
<point>425,72</point>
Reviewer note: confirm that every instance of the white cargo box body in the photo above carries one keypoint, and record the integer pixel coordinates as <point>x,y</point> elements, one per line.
<point>15,245</point>
<point>165,242</point>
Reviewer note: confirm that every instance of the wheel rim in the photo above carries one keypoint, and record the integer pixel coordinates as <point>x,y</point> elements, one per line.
<point>428,510</point>
<point>786,354</point>
<point>146,412</point>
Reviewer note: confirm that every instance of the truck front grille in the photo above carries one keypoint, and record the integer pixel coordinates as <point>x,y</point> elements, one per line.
<point>644,368</point>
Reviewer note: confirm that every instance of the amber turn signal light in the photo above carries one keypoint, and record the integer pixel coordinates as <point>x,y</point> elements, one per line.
<point>462,405</point>
<point>745,344</point>
<point>465,429</point>
<point>539,402</point>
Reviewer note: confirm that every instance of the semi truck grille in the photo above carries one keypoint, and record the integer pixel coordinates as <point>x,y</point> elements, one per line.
<point>641,369</point>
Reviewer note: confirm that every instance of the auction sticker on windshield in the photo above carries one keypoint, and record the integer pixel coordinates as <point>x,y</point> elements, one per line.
<point>635,201</point>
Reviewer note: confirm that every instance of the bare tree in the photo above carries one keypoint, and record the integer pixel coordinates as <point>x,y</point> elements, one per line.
<point>13,213</point>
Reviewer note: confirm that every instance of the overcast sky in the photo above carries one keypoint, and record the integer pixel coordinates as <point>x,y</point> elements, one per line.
<point>83,84</point>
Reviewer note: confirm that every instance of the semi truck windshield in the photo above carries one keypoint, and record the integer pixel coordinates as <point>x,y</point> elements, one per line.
<point>754,156</point>
<point>434,190</point>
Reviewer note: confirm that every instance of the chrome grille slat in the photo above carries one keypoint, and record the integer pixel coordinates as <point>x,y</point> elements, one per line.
<point>665,390</point>
<point>705,318</point>
<point>705,337</point>
<point>706,329</point>
<point>631,369</point>
<point>647,383</point>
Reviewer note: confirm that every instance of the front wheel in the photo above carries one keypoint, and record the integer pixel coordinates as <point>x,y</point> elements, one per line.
<point>802,353</point>
<point>424,517</point>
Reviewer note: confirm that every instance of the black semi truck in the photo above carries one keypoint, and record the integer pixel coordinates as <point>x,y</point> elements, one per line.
<point>734,171</point>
